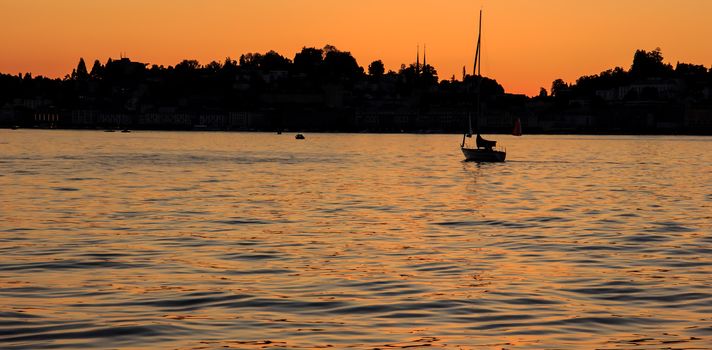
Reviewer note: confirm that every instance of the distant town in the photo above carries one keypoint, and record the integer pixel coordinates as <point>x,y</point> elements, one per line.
<point>325,89</point>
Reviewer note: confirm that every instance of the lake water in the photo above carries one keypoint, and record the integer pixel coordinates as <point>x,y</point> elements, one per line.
<point>250,240</point>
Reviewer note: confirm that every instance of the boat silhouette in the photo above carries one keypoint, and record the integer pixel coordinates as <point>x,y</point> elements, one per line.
<point>483,150</point>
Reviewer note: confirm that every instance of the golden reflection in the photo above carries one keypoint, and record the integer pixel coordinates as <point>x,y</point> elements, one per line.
<point>349,245</point>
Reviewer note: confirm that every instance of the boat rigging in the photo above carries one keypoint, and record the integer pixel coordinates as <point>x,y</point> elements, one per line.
<point>484,150</point>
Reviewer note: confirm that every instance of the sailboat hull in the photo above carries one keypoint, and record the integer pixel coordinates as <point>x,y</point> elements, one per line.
<point>483,155</point>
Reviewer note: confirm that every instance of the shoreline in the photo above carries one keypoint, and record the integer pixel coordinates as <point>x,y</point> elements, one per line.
<point>375,132</point>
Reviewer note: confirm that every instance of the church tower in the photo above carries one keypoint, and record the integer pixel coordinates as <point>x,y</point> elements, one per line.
<point>417,62</point>
<point>425,62</point>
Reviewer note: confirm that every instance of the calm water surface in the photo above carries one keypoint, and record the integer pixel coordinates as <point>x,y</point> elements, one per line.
<point>242,240</point>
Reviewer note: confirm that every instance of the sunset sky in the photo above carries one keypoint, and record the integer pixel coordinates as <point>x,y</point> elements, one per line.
<point>527,44</point>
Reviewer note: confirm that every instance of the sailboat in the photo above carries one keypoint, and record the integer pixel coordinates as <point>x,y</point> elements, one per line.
<point>517,128</point>
<point>484,150</point>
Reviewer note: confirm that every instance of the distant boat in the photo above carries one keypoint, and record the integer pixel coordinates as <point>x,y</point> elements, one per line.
<point>517,128</point>
<point>126,131</point>
<point>299,137</point>
<point>483,150</point>
<point>14,127</point>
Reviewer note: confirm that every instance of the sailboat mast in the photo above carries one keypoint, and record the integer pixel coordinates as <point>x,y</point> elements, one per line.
<point>478,70</point>
<point>477,74</point>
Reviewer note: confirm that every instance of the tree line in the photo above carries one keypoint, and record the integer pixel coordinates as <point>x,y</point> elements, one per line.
<point>329,87</point>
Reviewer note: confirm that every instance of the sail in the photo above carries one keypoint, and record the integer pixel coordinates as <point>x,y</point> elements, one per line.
<point>483,143</point>
<point>517,128</point>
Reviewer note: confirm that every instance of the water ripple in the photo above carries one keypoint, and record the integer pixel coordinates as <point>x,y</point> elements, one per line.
<point>254,241</point>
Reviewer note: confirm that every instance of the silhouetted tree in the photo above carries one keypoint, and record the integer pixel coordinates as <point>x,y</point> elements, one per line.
<point>187,66</point>
<point>96,70</point>
<point>615,77</point>
<point>250,60</point>
<point>488,87</point>
<point>684,69</point>
<point>408,74</point>
<point>273,61</point>
<point>340,64</point>
<point>647,64</point>
<point>491,87</point>
<point>308,60</point>
<point>213,67</point>
<point>80,73</point>
<point>376,69</point>
<point>229,63</point>
<point>612,78</point>
<point>268,62</point>
<point>558,86</point>
<point>326,82</point>
<point>428,75</point>
<point>329,48</point>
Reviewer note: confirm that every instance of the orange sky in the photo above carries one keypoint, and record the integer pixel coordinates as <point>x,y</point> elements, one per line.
<point>527,44</point>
